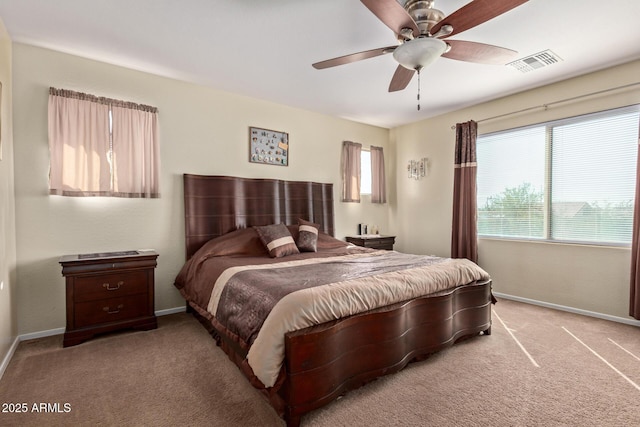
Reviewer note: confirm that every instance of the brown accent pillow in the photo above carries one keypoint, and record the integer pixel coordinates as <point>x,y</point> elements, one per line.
<point>277,239</point>
<point>307,240</point>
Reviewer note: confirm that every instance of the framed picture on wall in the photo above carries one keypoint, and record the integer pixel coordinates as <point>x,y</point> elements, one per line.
<point>267,146</point>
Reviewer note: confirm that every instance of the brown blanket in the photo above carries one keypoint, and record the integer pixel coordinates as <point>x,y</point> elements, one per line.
<point>250,295</point>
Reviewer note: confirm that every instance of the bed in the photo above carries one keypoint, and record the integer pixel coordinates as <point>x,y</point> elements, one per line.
<point>303,361</point>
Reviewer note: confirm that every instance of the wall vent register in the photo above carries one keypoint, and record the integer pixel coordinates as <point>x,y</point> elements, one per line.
<point>536,61</point>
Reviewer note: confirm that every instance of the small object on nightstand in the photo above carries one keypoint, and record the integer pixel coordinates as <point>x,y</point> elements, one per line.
<point>373,241</point>
<point>107,292</point>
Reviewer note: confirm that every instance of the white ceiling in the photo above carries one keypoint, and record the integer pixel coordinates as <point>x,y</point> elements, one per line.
<point>264,49</point>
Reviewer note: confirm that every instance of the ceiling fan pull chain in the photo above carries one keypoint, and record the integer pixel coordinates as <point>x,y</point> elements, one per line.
<point>419,68</point>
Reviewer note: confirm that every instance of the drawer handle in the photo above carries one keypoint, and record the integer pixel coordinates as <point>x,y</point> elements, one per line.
<point>120,307</point>
<point>108,287</point>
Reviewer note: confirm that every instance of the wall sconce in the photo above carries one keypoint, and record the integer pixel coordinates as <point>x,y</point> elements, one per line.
<point>417,169</point>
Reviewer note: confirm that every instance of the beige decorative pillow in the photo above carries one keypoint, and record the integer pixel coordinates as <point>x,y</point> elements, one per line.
<point>277,239</point>
<point>307,236</point>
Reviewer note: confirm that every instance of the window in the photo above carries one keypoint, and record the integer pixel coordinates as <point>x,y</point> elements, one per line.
<point>102,147</point>
<point>365,172</point>
<point>570,180</point>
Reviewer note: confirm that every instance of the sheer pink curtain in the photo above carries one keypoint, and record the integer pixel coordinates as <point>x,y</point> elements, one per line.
<point>378,187</point>
<point>78,144</point>
<point>351,171</point>
<point>464,242</point>
<point>634,300</point>
<point>93,155</point>
<point>136,156</point>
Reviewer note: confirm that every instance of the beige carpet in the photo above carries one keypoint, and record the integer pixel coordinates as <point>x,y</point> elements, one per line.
<point>576,371</point>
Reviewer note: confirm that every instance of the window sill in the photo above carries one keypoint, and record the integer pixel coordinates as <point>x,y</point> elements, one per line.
<point>625,246</point>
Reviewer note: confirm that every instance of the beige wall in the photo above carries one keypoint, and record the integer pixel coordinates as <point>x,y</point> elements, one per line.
<point>8,304</point>
<point>201,130</point>
<point>205,131</point>
<point>584,277</point>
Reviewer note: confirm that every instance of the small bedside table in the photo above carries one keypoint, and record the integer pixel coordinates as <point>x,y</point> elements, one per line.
<point>107,292</point>
<point>375,242</point>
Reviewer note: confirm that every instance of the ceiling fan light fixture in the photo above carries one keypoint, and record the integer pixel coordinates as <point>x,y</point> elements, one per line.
<point>419,53</point>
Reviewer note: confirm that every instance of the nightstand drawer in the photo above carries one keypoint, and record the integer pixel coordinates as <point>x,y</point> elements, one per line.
<point>373,242</point>
<point>110,310</point>
<point>379,244</point>
<point>110,285</point>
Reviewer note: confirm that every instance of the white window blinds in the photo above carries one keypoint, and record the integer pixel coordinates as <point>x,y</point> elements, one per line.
<point>570,180</point>
<point>593,166</point>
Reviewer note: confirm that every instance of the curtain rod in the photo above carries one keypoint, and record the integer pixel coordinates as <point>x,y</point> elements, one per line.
<point>546,106</point>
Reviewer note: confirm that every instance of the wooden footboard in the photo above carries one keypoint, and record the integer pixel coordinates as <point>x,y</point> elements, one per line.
<point>325,361</point>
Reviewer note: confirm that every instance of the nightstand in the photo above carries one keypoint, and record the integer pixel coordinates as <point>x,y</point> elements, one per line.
<point>371,241</point>
<point>107,292</point>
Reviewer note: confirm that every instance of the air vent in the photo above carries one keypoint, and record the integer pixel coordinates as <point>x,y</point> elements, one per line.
<point>533,62</point>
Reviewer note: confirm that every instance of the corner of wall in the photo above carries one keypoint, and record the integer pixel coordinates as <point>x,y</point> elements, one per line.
<point>8,304</point>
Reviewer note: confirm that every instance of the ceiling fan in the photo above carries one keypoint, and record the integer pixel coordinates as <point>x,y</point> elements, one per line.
<point>421,29</point>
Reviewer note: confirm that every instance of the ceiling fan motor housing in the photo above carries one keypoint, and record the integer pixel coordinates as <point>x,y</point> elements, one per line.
<point>423,13</point>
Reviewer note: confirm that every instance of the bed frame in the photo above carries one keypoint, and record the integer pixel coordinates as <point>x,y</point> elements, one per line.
<point>325,361</point>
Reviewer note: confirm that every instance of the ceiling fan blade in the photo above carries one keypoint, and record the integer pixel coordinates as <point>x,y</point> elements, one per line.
<point>353,57</point>
<point>478,52</point>
<point>401,78</point>
<point>475,13</point>
<point>392,14</point>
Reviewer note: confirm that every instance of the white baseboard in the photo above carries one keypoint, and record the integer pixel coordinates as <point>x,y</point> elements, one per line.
<point>59,331</point>
<point>41,334</point>
<point>9,356</point>
<point>569,309</point>
<point>168,311</point>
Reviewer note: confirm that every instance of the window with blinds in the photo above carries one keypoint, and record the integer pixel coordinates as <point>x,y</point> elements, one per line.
<point>570,180</point>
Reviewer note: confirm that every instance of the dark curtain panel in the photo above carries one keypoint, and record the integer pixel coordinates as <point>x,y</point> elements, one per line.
<point>634,302</point>
<point>464,242</point>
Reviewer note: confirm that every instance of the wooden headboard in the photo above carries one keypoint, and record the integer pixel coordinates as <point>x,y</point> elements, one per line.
<point>215,205</point>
